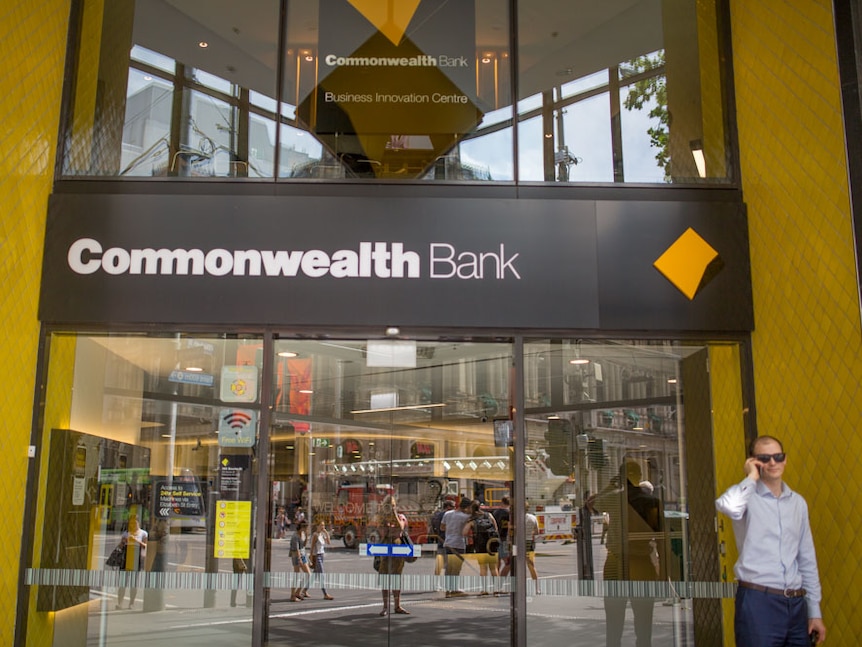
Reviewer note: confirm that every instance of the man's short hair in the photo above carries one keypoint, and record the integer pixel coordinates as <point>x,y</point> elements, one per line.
<point>448,504</point>
<point>465,503</point>
<point>763,439</point>
<point>504,500</point>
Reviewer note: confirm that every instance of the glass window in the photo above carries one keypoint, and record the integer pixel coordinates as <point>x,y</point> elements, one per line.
<point>609,429</point>
<point>371,437</point>
<point>151,479</point>
<point>646,63</point>
<point>148,491</point>
<point>424,93</point>
<point>398,95</point>
<point>181,75</point>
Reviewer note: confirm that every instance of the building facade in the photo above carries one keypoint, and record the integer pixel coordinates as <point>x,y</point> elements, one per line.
<point>304,258</point>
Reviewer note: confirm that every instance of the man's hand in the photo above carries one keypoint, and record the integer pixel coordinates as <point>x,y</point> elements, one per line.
<point>816,624</point>
<point>752,468</point>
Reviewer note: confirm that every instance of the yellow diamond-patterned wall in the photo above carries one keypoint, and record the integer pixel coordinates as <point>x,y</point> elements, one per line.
<point>32,48</point>
<point>808,341</point>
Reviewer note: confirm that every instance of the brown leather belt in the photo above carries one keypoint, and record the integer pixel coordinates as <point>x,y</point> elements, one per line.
<point>787,593</point>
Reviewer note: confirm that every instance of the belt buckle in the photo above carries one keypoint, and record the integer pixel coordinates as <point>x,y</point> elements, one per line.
<point>791,593</point>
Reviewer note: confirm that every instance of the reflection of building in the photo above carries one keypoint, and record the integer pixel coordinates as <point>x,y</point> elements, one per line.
<point>776,156</point>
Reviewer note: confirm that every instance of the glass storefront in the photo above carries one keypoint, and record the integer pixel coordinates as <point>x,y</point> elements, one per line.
<point>421,91</point>
<point>236,458</point>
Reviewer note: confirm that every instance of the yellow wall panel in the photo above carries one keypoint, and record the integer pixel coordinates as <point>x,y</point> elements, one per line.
<point>32,48</point>
<point>807,344</point>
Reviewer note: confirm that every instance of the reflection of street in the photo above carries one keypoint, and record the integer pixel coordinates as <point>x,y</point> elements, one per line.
<point>189,618</point>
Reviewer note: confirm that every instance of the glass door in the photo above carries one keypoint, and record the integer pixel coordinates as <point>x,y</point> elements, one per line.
<point>371,443</point>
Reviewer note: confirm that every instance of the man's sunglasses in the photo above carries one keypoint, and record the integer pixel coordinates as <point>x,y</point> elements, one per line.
<point>764,458</point>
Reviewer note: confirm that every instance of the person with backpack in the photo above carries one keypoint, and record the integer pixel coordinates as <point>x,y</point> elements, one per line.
<point>486,541</point>
<point>438,534</point>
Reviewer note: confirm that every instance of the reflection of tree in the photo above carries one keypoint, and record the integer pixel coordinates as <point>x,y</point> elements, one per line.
<point>651,86</point>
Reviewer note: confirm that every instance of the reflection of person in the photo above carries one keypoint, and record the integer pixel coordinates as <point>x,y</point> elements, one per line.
<point>390,524</point>
<point>319,541</point>
<point>280,523</point>
<point>135,541</point>
<point>158,545</point>
<point>483,529</point>
<point>778,594</point>
<point>455,544</point>
<point>239,568</point>
<point>501,517</point>
<point>635,533</point>
<point>299,558</point>
<point>437,533</point>
<point>585,537</point>
<point>531,524</point>
<point>531,528</point>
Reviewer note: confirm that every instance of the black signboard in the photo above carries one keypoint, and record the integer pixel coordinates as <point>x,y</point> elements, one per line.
<point>382,261</point>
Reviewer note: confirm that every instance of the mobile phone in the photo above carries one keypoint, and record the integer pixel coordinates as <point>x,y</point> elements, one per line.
<point>813,637</point>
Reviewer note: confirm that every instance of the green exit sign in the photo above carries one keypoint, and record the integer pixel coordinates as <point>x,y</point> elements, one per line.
<point>320,442</point>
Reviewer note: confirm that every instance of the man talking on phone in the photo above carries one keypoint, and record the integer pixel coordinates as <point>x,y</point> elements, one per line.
<point>778,594</point>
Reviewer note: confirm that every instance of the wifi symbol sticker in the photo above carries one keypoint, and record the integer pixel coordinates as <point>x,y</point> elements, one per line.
<point>237,428</point>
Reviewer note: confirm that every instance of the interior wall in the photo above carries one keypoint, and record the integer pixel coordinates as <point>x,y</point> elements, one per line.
<point>32,43</point>
<point>807,346</point>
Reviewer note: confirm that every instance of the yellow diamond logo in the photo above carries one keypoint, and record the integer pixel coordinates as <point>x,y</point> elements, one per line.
<point>390,17</point>
<point>690,263</point>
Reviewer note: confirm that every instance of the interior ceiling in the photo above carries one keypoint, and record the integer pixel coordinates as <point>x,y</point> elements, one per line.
<point>160,353</point>
<point>559,40</point>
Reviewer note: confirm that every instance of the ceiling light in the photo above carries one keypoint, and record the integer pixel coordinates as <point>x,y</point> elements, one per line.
<point>459,464</point>
<point>446,465</point>
<point>203,44</point>
<point>579,361</point>
<point>671,380</point>
<point>501,465</point>
<point>287,353</point>
<point>393,331</point>
<point>486,465</point>
<point>472,465</point>
<point>306,391</point>
<point>193,369</point>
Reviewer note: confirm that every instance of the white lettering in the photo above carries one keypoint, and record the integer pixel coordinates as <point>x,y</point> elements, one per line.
<point>446,260</point>
<point>166,261</point>
<point>345,264</point>
<point>382,260</point>
<point>315,263</point>
<point>446,264</point>
<point>281,263</point>
<point>75,257</point>
<point>116,261</point>
<point>218,262</point>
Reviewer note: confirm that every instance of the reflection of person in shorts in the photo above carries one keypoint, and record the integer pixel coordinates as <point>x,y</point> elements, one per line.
<point>531,527</point>
<point>299,559</point>
<point>391,524</point>
<point>456,545</point>
<point>485,541</point>
<point>501,517</point>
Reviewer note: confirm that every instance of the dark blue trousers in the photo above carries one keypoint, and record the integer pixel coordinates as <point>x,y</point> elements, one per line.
<point>769,620</point>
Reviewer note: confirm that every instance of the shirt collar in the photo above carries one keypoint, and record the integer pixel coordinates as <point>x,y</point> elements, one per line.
<point>762,490</point>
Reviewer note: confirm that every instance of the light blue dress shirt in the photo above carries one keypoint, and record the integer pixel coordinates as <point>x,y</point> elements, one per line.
<point>773,536</point>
